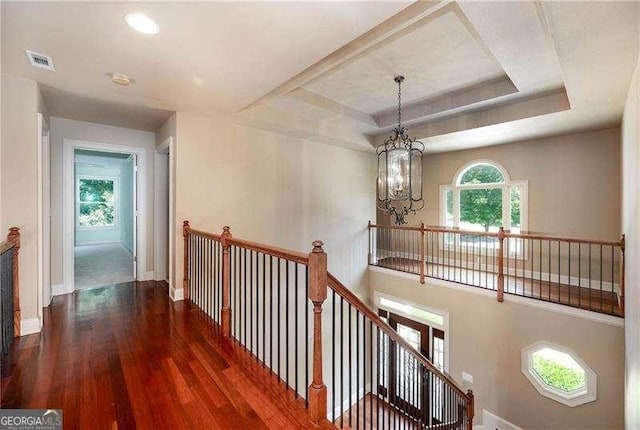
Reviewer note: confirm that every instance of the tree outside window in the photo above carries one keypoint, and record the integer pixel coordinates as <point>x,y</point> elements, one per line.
<point>96,202</point>
<point>483,198</point>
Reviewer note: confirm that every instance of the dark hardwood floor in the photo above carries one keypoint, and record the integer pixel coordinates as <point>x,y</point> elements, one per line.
<point>126,356</point>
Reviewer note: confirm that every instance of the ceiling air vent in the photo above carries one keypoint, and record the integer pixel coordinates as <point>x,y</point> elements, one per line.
<point>39,60</point>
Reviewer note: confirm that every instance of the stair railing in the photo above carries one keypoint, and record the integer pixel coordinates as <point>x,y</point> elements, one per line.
<point>270,301</point>
<point>9,289</point>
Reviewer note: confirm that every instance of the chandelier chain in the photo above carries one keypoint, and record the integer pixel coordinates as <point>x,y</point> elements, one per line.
<point>399,104</point>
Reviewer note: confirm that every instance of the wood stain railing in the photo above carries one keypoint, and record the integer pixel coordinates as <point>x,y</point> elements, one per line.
<point>9,288</point>
<point>270,301</point>
<point>586,274</point>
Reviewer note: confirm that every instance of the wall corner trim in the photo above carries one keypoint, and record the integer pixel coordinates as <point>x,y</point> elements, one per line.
<point>60,289</point>
<point>30,326</point>
<point>176,294</point>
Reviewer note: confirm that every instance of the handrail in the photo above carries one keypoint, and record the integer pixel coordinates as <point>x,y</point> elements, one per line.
<point>507,233</point>
<point>208,235</point>
<point>351,298</point>
<point>8,244</point>
<point>287,254</point>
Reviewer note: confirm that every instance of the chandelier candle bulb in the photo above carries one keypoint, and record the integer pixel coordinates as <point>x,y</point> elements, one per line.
<point>399,190</point>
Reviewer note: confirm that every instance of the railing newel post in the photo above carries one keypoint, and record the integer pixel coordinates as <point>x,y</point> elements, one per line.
<point>14,234</point>
<point>225,312</point>
<point>318,281</point>
<point>470,409</point>
<point>423,261</point>
<point>622,275</point>
<point>501,264</point>
<point>185,269</point>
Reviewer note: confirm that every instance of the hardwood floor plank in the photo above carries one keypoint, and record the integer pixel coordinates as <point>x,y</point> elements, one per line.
<point>127,357</point>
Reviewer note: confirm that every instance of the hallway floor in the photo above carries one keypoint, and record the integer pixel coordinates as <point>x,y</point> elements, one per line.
<point>129,357</point>
<point>99,265</point>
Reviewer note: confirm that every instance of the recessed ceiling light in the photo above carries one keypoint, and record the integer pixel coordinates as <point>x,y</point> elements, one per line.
<point>142,23</point>
<point>120,79</point>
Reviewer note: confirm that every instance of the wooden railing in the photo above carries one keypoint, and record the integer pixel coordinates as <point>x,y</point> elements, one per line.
<point>270,301</point>
<point>586,274</point>
<point>9,288</point>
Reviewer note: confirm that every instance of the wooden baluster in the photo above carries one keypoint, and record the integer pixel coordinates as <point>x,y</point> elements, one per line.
<point>14,234</point>
<point>423,261</point>
<point>369,257</point>
<point>185,262</point>
<point>318,280</point>
<point>470,410</point>
<point>225,312</point>
<point>622,243</point>
<point>501,264</point>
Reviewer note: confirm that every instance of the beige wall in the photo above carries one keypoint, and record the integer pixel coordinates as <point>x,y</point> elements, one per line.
<point>166,130</point>
<point>276,190</point>
<point>486,340</point>
<point>21,101</point>
<point>574,181</point>
<point>62,128</point>
<point>631,227</point>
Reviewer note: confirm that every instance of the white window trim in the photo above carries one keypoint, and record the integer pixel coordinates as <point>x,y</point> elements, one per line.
<point>116,191</point>
<point>444,314</point>
<point>506,186</point>
<point>589,394</point>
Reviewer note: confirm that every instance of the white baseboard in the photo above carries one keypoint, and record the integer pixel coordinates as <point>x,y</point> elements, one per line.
<point>148,276</point>
<point>480,427</point>
<point>492,421</point>
<point>176,294</point>
<point>30,326</point>
<point>60,289</point>
<point>97,242</point>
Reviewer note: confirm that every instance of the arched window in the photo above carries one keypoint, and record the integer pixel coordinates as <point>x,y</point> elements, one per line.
<point>482,197</point>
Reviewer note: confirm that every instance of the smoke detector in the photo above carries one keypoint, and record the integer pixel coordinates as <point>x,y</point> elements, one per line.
<point>121,79</point>
<point>40,60</point>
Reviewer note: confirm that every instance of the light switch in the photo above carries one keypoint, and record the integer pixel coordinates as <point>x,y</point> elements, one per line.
<point>467,378</point>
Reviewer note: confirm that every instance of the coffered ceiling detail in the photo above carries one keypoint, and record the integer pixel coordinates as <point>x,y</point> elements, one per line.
<point>468,66</point>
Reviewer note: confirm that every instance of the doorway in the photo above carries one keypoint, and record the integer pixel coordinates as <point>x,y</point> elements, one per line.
<point>104,218</point>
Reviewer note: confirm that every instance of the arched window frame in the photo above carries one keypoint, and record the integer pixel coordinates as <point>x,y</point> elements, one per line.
<point>506,186</point>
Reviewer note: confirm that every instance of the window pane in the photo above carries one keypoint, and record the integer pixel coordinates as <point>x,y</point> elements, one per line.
<point>382,176</point>
<point>398,174</point>
<point>416,175</point>
<point>516,201</point>
<point>481,210</point>
<point>96,190</point>
<point>410,310</point>
<point>481,174</point>
<point>558,370</point>
<point>448,205</point>
<point>96,214</point>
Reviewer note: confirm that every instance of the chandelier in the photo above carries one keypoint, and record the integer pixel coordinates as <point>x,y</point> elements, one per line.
<point>399,190</point>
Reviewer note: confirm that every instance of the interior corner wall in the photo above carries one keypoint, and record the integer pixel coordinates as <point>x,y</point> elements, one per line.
<point>21,102</point>
<point>565,196</point>
<point>631,228</point>
<point>62,128</point>
<point>276,190</point>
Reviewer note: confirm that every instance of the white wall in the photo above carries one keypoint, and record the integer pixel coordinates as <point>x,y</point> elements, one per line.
<point>21,101</point>
<point>85,236</point>
<point>61,129</point>
<point>276,190</point>
<point>631,227</point>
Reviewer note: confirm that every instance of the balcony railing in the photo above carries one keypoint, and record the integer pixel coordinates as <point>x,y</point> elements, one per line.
<point>586,274</point>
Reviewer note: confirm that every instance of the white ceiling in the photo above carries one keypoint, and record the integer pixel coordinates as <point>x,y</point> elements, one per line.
<point>477,73</point>
<point>207,58</point>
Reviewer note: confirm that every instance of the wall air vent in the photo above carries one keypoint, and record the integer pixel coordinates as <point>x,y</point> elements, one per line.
<point>39,60</point>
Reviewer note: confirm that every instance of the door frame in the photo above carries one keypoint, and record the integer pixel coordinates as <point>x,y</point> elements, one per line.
<point>166,147</point>
<point>44,214</point>
<point>68,212</point>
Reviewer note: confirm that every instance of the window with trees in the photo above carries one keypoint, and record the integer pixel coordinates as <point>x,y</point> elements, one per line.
<point>96,198</point>
<point>559,373</point>
<point>482,197</point>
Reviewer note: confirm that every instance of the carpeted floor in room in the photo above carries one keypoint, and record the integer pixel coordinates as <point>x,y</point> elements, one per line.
<point>98,265</point>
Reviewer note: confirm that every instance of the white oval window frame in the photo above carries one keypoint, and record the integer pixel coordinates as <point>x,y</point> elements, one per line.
<point>570,399</point>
